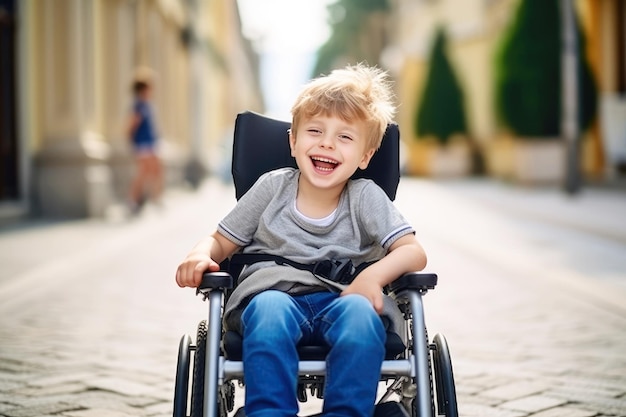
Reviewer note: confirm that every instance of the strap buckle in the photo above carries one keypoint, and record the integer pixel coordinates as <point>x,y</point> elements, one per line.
<point>336,271</point>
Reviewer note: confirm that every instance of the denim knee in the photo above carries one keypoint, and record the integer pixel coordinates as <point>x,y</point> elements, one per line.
<point>271,314</point>
<point>353,320</point>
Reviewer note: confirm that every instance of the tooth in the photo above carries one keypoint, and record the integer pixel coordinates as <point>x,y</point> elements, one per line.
<point>330,161</point>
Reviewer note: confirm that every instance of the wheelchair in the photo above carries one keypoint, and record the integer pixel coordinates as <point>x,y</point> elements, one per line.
<point>417,373</point>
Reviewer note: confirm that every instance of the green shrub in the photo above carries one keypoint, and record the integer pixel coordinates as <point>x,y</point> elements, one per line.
<point>528,73</point>
<point>441,112</point>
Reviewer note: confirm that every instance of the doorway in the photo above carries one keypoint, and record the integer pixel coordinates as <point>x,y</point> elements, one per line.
<point>9,161</point>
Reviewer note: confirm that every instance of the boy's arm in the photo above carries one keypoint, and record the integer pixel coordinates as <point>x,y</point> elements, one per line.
<point>404,255</point>
<point>205,256</point>
<point>133,122</point>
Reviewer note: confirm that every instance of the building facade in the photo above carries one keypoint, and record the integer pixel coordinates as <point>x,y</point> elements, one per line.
<point>475,28</point>
<point>67,68</point>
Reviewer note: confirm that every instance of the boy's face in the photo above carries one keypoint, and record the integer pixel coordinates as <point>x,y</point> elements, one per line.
<point>328,150</point>
<point>146,93</point>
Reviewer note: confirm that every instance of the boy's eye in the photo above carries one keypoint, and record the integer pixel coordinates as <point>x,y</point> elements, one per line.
<point>314,131</point>
<point>345,137</point>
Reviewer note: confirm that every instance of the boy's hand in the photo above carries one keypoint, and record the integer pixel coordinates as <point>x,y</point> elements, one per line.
<point>205,256</point>
<point>367,288</point>
<point>189,272</point>
<point>404,255</point>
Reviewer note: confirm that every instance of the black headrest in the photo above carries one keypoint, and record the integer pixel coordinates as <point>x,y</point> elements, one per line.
<point>261,144</point>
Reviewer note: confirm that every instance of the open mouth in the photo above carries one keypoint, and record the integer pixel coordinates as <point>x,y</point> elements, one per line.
<point>324,164</point>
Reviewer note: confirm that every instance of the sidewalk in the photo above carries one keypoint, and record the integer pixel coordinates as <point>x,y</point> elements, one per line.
<point>577,242</point>
<point>531,298</point>
<point>36,250</point>
<point>598,211</point>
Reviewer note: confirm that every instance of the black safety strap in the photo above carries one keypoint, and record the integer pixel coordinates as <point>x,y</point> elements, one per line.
<point>341,272</point>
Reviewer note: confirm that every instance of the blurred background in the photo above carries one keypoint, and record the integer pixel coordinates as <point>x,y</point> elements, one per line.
<point>479,86</point>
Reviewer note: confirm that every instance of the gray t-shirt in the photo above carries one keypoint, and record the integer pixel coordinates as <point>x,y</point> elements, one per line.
<point>265,220</point>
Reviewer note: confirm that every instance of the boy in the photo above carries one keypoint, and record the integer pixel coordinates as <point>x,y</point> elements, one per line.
<point>143,135</point>
<point>308,215</point>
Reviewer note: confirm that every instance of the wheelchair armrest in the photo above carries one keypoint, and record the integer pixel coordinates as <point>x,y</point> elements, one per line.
<point>420,281</point>
<point>215,280</point>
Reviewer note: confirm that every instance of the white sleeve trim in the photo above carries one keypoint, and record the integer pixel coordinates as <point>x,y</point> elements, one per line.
<point>395,235</point>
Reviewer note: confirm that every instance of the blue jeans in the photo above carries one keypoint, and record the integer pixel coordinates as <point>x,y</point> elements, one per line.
<point>274,323</point>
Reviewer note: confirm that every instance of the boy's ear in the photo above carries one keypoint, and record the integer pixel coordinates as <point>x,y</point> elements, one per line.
<point>292,141</point>
<point>367,157</point>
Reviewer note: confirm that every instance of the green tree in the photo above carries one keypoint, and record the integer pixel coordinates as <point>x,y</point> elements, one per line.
<point>528,73</point>
<point>441,112</point>
<point>348,23</point>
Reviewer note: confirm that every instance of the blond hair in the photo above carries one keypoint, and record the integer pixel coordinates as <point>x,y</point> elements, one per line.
<point>354,93</point>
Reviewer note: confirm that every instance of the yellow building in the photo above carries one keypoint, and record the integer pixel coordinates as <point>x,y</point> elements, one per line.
<point>69,69</point>
<point>605,24</point>
<point>475,28</point>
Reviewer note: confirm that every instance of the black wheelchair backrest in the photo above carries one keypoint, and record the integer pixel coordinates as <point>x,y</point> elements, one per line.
<point>261,144</point>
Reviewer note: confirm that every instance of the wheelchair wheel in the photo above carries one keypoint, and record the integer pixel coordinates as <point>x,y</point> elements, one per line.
<point>444,378</point>
<point>227,391</point>
<point>197,383</point>
<point>182,377</point>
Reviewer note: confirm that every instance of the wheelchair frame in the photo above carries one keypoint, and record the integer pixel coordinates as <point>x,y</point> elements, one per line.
<point>413,374</point>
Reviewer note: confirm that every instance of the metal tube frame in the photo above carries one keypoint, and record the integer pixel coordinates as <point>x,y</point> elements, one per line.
<point>402,367</point>
<point>218,369</point>
<point>420,354</point>
<point>212,361</point>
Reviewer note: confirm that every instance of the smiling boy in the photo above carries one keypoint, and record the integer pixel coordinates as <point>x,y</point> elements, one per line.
<point>306,216</point>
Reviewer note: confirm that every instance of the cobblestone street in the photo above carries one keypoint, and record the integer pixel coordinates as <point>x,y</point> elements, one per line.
<point>531,297</point>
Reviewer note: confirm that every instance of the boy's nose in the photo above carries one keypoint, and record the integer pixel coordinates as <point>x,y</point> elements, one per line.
<point>327,141</point>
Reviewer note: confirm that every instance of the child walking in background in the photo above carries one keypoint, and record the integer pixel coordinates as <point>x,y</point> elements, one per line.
<point>148,179</point>
<point>309,215</point>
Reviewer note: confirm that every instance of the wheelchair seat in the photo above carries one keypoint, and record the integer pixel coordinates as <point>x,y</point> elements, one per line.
<point>261,145</point>
<point>232,343</point>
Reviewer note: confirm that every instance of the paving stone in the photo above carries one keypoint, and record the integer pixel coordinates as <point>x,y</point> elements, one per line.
<point>10,366</point>
<point>95,412</point>
<point>565,412</point>
<point>143,402</point>
<point>477,399</point>
<point>164,408</point>
<point>36,411</point>
<point>466,388</point>
<point>479,410</point>
<point>6,385</point>
<point>107,400</point>
<point>533,403</point>
<point>61,378</point>
<point>582,394</point>
<point>51,390</point>
<point>589,383</point>
<point>162,394</point>
<point>11,377</point>
<point>613,407</point>
<point>121,386</point>
<point>515,390</point>
<point>34,402</point>
<point>488,381</point>
<point>5,406</point>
